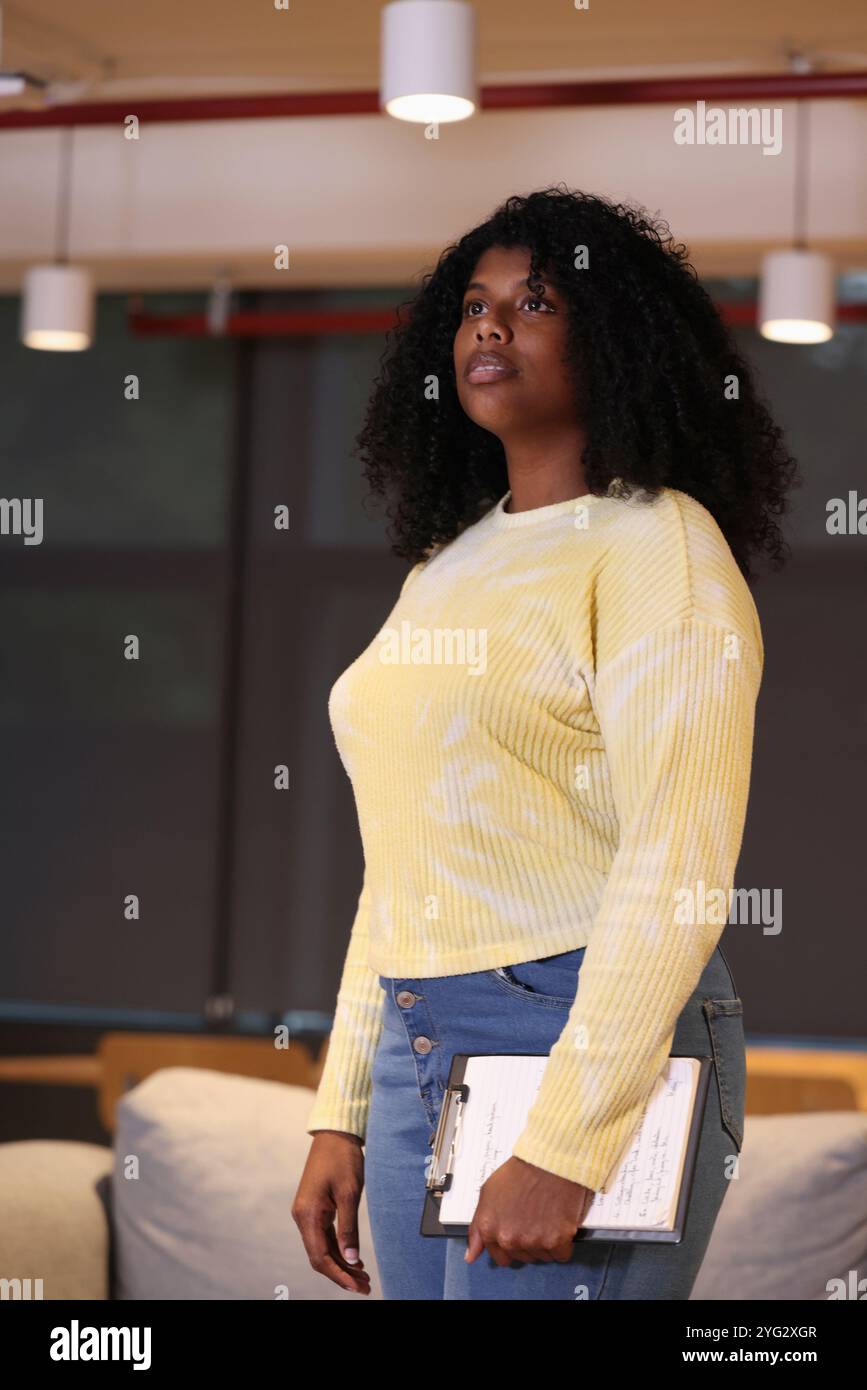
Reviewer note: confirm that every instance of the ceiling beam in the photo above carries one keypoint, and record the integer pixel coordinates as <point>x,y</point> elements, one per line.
<point>780,86</point>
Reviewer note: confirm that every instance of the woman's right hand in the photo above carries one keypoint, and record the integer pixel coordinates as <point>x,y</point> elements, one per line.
<point>330,1185</point>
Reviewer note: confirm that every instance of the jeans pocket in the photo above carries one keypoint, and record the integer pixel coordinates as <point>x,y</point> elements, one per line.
<point>550,981</point>
<point>725,1022</point>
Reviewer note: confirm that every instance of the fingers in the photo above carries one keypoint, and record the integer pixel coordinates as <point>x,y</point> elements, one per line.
<point>354,1271</point>
<point>506,1255</point>
<point>475,1243</point>
<point>500,1257</point>
<point>504,1251</point>
<point>347,1225</point>
<point>500,1254</point>
<point>323,1252</point>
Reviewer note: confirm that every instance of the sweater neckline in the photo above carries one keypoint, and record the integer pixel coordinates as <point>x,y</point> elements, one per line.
<point>505,520</point>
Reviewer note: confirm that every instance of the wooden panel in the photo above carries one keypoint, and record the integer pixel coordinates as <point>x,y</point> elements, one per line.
<point>791,1081</point>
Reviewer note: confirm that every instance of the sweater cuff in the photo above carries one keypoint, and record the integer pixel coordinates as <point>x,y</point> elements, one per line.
<point>349,1118</point>
<point>591,1169</point>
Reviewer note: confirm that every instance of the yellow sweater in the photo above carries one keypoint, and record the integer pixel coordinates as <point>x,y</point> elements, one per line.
<point>549,744</point>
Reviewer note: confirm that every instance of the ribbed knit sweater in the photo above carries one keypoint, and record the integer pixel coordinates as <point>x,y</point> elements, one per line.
<point>549,743</point>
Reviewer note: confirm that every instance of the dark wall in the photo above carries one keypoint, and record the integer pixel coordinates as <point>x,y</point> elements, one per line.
<point>111,766</point>
<point>805,824</point>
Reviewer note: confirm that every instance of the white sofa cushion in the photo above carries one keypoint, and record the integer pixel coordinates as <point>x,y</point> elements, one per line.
<point>795,1218</point>
<point>209,1216</point>
<point>54,1218</point>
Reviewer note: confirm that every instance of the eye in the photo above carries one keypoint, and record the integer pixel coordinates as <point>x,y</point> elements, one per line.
<point>468,306</point>
<point>535,299</point>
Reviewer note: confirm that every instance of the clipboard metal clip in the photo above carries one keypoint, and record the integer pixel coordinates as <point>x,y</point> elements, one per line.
<point>446,1141</point>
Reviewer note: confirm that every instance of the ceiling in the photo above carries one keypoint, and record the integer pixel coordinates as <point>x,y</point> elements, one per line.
<point>101,49</point>
<point>110,50</point>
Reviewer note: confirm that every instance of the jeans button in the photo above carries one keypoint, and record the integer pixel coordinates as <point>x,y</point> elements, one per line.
<point>422,1044</point>
<point>405,998</point>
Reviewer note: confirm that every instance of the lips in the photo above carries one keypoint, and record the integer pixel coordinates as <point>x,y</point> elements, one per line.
<point>488,366</point>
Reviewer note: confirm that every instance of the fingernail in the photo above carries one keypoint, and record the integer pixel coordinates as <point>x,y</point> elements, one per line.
<point>351,1256</point>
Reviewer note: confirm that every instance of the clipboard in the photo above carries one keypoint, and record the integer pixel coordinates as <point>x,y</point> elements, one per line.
<point>447,1136</point>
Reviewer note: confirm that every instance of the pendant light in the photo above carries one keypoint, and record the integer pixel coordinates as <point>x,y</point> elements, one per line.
<point>57,306</point>
<point>797,286</point>
<point>428,60</point>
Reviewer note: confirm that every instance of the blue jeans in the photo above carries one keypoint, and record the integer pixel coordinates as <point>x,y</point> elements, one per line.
<point>523,1008</point>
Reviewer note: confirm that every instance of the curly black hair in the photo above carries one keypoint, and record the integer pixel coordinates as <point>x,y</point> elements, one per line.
<point>652,357</point>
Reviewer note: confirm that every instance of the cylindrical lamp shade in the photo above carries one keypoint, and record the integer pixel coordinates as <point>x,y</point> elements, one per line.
<point>428,60</point>
<point>797,297</point>
<point>57,308</point>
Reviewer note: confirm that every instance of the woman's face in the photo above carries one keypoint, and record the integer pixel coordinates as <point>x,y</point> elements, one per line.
<point>520,382</point>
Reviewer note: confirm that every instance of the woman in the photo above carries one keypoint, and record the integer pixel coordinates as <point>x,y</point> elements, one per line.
<point>549,745</point>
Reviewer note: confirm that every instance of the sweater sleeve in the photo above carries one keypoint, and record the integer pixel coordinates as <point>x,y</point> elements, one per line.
<point>676,713</point>
<point>343,1096</point>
